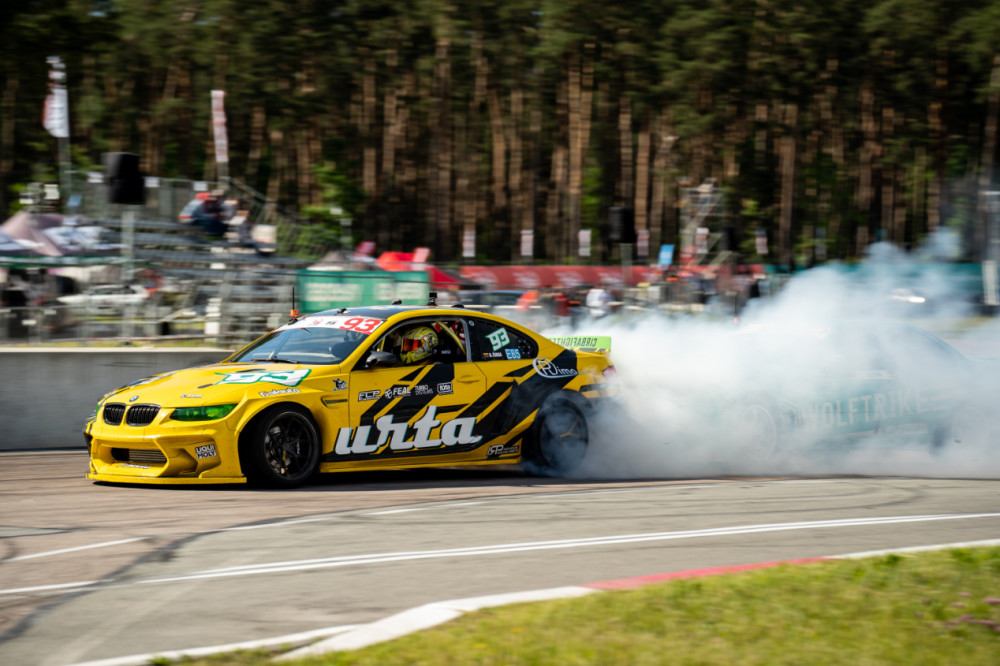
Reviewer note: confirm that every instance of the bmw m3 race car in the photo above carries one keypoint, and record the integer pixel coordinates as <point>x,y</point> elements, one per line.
<point>366,388</point>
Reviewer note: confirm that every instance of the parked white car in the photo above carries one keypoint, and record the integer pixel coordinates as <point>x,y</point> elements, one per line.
<point>108,297</point>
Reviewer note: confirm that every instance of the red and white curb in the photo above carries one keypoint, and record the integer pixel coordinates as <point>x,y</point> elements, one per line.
<point>433,614</point>
<point>353,637</point>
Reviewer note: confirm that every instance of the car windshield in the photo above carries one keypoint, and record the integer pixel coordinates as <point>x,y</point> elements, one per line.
<point>315,340</point>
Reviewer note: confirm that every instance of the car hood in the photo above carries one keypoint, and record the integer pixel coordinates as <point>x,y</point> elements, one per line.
<point>212,384</point>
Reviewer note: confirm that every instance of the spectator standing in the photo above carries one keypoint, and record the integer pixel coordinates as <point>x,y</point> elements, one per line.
<point>598,302</point>
<point>209,216</point>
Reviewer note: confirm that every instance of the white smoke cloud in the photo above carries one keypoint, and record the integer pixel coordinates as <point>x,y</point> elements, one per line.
<point>685,380</point>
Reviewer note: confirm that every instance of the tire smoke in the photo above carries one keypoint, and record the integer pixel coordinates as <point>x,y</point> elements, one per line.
<point>840,373</point>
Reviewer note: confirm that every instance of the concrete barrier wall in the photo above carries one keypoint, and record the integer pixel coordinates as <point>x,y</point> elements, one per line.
<point>46,394</point>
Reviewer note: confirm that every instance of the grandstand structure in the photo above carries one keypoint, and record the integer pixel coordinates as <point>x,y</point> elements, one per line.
<point>230,291</point>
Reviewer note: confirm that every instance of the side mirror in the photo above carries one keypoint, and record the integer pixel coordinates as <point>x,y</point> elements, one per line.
<point>382,359</point>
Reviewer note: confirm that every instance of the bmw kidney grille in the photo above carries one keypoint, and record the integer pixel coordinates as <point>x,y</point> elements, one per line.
<point>137,415</point>
<point>114,413</point>
<point>141,415</point>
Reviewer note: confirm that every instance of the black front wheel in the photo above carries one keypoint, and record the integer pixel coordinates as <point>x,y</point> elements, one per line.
<point>757,430</point>
<point>559,438</point>
<point>280,448</point>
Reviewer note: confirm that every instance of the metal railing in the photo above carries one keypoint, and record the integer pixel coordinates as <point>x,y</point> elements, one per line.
<point>46,325</point>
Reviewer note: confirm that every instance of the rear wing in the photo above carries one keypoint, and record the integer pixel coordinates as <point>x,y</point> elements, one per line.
<point>586,343</point>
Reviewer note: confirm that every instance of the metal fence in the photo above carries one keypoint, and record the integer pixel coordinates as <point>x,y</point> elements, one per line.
<point>238,310</point>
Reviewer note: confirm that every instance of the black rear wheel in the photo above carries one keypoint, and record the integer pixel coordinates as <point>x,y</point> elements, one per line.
<point>280,448</point>
<point>559,438</point>
<point>966,428</point>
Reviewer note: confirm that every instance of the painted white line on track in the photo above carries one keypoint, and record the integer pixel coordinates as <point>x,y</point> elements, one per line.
<point>429,507</point>
<point>55,587</point>
<point>279,523</point>
<point>916,549</point>
<point>63,551</point>
<point>494,549</point>
<point>329,517</point>
<point>375,558</point>
<point>119,542</point>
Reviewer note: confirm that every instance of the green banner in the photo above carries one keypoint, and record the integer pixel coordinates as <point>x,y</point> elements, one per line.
<point>316,290</point>
<point>583,342</point>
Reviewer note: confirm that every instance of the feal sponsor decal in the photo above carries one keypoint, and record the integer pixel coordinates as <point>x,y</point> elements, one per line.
<point>283,377</point>
<point>405,436</point>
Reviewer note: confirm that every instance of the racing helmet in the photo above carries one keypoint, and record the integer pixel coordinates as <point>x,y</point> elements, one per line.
<point>418,344</point>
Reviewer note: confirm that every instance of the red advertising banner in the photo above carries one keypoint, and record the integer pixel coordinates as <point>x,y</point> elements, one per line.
<point>532,277</point>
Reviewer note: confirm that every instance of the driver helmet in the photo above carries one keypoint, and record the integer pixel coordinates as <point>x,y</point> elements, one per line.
<point>418,345</point>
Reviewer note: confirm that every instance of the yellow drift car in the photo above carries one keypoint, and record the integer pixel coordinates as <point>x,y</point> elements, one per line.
<point>382,387</point>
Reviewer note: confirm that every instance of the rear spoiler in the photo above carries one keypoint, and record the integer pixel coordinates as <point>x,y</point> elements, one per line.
<point>587,343</point>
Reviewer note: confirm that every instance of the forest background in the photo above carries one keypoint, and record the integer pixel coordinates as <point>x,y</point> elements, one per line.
<point>848,121</point>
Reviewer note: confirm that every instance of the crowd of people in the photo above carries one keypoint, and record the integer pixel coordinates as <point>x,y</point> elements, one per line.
<point>704,291</point>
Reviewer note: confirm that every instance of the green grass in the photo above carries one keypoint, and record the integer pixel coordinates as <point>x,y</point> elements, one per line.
<point>928,608</point>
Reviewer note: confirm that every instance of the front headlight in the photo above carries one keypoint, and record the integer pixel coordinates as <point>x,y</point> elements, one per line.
<point>207,413</point>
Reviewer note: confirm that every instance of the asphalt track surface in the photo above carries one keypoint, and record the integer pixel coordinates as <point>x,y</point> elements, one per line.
<point>94,572</point>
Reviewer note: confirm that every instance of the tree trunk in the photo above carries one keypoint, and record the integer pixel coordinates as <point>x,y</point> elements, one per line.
<point>888,181</point>
<point>275,141</point>
<point>624,191</point>
<point>663,142</point>
<point>787,160</point>
<point>441,148</point>
<point>580,100</point>
<point>467,159</point>
<point>642,188</point>
<point>9,124</point>
<point>556,247</point>
<point>530,182</point>
<point>935,121</point>
<point>369,161</point>
<point>866,158</point>
<point>258,139</point>
<point>992,247</point>
<point>516,172</point>
<point>575,154</point>
<point>499,212</point>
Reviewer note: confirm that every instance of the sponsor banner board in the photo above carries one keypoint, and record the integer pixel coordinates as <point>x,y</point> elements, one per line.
<point>318,290</point>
